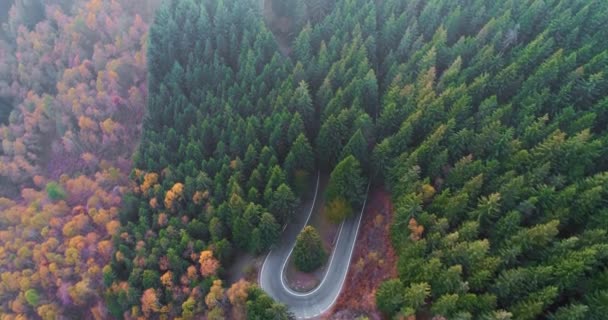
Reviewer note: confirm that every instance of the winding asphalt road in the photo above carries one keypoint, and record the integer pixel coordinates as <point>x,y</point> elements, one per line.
<point>313,303</point>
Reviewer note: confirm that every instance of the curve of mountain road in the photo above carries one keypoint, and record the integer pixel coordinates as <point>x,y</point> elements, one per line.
<point>313,303</point>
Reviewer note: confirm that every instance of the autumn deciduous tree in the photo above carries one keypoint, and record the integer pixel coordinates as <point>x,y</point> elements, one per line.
<point>150,179</point>
<point>174,195</point>
<point>209,264</point>
<point>149,302</point>
<point>215,294</point>
<point>48,311</point>
<point>73,74</point>
<point>309,253</point>
<point>338,209</point>
<point>167,279</point>
<point>217,313</point>
<point>237,295</point>
<point>416,230</point>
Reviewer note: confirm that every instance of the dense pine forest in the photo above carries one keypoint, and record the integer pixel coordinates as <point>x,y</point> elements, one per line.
<point>148,146</point>
<point>492,138</point>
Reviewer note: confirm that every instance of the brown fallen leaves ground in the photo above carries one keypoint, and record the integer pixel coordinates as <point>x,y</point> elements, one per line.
<point>373,261</point>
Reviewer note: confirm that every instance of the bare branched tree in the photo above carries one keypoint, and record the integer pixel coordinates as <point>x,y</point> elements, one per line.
<point>510,37</point>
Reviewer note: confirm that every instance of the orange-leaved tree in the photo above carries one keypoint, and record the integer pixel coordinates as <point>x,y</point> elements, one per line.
<point>209,264</point>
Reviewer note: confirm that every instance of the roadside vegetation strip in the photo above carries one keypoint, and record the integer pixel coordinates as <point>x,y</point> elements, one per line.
<point>350,255</point>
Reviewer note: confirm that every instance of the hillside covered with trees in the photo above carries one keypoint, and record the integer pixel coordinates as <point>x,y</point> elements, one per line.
<point>493,141</point>
<point>227,147</point>
<point>138,163</point>
<point>72,100</point>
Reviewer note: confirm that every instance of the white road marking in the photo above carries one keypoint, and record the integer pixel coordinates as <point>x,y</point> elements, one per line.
<point>350,255</point>
<point>293,293</point>
<point>331,261</point>
<point>285,227</point>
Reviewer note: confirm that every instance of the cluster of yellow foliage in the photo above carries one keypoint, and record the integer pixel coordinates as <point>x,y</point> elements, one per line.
<point>150,180</point>
<point>55,236</point>
<point>416,230</point>
<point>175,194</point>
<point>338,209</point>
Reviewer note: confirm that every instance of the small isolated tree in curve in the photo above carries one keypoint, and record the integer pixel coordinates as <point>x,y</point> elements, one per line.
<point>309,253</point>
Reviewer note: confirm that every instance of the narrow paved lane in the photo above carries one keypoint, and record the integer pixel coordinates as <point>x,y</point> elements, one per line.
<point>319,300</point>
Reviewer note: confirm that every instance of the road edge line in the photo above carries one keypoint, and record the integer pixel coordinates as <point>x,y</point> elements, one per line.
<point>314,201</point>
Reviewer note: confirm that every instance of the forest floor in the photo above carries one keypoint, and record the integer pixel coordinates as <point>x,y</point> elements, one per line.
<point>245,266</point>
<point>373,261</point>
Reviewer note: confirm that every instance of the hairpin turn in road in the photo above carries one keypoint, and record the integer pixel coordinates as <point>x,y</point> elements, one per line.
<point>319,300</point>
